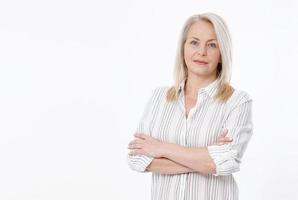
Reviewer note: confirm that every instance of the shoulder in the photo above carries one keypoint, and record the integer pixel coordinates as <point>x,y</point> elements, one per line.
<point>158,94</point>
<point>241,95</point>
<point>160,91</point>
<point>238,97</point>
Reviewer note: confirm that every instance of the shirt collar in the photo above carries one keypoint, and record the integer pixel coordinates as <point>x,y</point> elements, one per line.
<point>210,89</point>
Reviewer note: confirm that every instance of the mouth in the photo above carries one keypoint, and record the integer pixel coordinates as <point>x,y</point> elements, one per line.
<point>200,62</point>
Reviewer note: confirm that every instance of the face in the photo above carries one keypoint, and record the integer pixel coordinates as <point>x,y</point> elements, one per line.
<point>201,50</point>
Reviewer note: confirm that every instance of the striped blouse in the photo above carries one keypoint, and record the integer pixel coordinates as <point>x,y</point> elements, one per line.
<point>167,122</point>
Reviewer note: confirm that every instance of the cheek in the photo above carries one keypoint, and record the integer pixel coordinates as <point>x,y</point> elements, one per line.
<point>187,54</point>
<point>215,56</point>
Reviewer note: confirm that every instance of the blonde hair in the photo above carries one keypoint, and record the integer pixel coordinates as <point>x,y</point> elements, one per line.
<point>223,69</point>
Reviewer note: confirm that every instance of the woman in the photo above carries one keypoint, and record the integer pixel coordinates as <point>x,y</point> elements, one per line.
<point>192,135</point>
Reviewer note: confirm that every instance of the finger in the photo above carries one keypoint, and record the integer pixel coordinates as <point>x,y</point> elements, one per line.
<point>224,133</point>
<point>221,139</point>
<point>132,142</point>
<point>132,152</point>
<point>227,141</point>
<point>219,143</point>
<point>141,136</point>
<point>224,140</point>
<point>136,141</point>
<point>135,146</point>
<point>136,152</point>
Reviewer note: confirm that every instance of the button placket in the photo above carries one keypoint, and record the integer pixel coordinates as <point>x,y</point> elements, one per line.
<point>202,96</point>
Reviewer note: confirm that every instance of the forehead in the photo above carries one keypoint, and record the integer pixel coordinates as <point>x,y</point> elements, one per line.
<point>202,30</point>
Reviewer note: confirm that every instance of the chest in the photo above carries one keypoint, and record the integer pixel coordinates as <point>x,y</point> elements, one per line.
<point>173,123</point>
<point>189,104</point>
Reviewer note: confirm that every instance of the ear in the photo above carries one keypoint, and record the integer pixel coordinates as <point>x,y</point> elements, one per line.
<point>219,60</point>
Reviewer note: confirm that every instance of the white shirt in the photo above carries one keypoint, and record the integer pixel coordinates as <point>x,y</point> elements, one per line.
<point>167,122</point>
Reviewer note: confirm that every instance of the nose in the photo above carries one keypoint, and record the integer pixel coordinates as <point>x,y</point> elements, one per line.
<point>202,50</point>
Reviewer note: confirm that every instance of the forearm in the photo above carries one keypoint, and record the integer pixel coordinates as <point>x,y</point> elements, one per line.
<point>166,166</point>
<point>197,159</point>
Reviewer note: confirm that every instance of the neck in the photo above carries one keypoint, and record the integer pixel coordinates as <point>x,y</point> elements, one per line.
<point>194,84</point>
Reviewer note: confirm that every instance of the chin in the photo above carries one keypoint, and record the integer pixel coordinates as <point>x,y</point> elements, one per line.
<point>201,72</point>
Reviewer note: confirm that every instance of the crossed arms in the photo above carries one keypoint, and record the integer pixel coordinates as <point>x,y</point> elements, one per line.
<point>148,154</point>
<point>171,158</point>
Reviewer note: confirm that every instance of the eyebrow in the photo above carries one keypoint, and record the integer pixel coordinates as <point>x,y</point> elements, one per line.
<point>199,39</point>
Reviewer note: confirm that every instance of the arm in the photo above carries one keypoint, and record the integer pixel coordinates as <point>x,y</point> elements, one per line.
<point>166,166</point>
<point>159,149</point>
<point>213,159</point>
<point>139,163</point>
<point>197,159</point>
<point>227,158</point>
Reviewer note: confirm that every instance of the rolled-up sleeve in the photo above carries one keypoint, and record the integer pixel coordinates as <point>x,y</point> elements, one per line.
<point>227,158</point>
<point>140,162</point>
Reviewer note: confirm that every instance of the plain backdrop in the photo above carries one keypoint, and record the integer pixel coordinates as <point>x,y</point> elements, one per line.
<point>75,77</point>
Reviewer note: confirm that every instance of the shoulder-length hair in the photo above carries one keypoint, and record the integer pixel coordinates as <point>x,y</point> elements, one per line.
<point>223,69</point>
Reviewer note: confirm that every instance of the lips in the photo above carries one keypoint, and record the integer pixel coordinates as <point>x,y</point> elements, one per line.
<point>201,62</point>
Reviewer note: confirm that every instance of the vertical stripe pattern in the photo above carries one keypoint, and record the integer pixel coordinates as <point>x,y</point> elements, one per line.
<point>203,125</point>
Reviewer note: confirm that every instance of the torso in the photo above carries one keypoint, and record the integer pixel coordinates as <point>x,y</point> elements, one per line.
<point>202,129</point>
<point>189,104</point>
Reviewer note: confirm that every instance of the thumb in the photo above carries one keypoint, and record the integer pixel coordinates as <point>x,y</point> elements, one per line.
<point>224,133</point>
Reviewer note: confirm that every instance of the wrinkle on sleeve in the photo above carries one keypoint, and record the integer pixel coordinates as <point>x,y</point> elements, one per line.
<point>227,158</point>
<point>139,163</point>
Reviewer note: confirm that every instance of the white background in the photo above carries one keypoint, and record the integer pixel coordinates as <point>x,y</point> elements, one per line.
<point>75,77</point>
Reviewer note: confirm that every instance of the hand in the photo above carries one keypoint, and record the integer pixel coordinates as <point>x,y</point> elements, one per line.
<point>146,145</point>
<point>222,139</point>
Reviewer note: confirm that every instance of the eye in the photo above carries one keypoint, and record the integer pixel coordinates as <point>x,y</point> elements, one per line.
<point>212,45</point>
<point>193,42</point>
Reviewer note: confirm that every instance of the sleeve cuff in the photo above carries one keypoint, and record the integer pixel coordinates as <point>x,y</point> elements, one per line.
<point>225,159</point>
<point>139,162</point>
